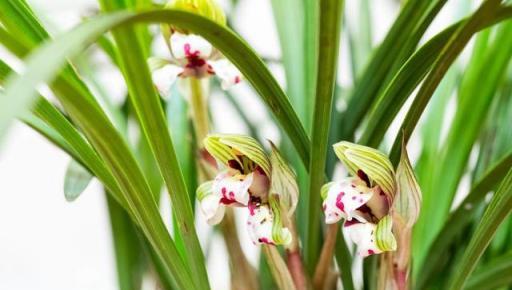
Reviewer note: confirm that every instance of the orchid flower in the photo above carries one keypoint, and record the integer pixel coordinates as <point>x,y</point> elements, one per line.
<point>365,200</point>
<point>190,54</point>
<point>249,178</point>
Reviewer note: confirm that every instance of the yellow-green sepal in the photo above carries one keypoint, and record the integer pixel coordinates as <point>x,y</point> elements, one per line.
<point>225,147</point>
<point>283,181</point>
<point>384,238</point>
<point>280,234</point>
<point>407,202</point>
<point>204,190</point>
<point>375,164</point>
<point>325,189</point>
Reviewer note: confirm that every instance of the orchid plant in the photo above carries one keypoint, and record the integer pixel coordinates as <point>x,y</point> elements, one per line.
<point>360,216</point>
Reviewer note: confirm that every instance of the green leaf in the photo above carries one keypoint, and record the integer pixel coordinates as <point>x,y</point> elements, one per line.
<point>399,43</point>
<point>76,180</point>
<point>443,62</point>
<point>103,136</point>
<point>410,75</point>
<point>150,114</point>
<point>330,28</point>
<point>289,18</point>
<point>492,275</point>
<point>497,211</point>
<point>129,252</point>
<point>459,218</point>
<point>468,121</point>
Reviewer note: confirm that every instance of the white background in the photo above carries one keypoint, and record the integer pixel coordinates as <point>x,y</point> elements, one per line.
<point>48,243</point>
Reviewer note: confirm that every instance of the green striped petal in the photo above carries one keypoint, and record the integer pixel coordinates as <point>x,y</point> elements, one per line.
<point>372,162</point>
<point>283,181</point>
<point>384,238</point>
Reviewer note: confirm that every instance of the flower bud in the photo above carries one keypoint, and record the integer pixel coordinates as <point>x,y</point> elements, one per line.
<point>207,8</point>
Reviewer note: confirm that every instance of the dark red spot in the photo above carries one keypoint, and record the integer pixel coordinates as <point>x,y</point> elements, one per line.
<point>324,207</point>
<point>235,165</point>
<point>227,201</point>
<point>364,177</point>
<point>237,79</point>
<point>353,186</point>
<point>231,195</point>
<point>252,207</point>
<point>265,241</point>
<point>371,252</point>
<point>342,193</point>
<point>365,209</point>
<point>339,203</point>
<point>350,223</point>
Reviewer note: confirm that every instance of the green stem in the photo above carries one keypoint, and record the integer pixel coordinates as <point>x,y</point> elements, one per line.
<point>199,108</point>
<point>330,24</point>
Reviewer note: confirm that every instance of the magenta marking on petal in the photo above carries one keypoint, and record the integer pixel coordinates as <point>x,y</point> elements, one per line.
<point>265,241</point>
<point>223,190</point>
<point>339,203</point>
<point>351,222</point>
<point>354,197</point>
<point>371,252</point>
<point>227,201</point>
<point>231,195</point>
<point>361,200</point>
<point>324,206</point>
<point>353,185</point>
<point>237,79</point>
<point>251,207</point>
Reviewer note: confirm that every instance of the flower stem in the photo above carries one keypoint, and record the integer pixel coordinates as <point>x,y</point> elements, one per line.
<point>278,268</point>
<point>325,261</point>
<point>243,274</point>
<point>199,107</point>
<point>294,258</point>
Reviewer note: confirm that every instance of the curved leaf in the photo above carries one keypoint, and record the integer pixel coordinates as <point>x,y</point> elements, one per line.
<point>496,213</point>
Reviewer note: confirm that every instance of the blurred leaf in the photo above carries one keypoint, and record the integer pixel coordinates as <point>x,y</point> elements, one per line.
<point>76,180</point>
<point>410,75</point>
<point>468,121</point>
<point>129,255</point>
<point>459,218</point>
<point>399,43</point>
<point>492,275</point>
<point>359,37</point>
<point>497,211</point>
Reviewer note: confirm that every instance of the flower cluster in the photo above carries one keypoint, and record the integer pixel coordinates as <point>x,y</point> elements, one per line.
<point>248,178</point>
<point>192,55</point>
<point>365,200</point>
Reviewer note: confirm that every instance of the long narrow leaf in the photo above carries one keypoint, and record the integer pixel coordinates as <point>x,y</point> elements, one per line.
<point>330,27</point>
<point>497,211</point>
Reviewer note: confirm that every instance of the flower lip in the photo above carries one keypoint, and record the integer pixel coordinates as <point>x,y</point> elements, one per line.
<point>344,198</point>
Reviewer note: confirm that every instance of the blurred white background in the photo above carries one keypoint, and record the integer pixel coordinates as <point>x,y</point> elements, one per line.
<point>48,243</point>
